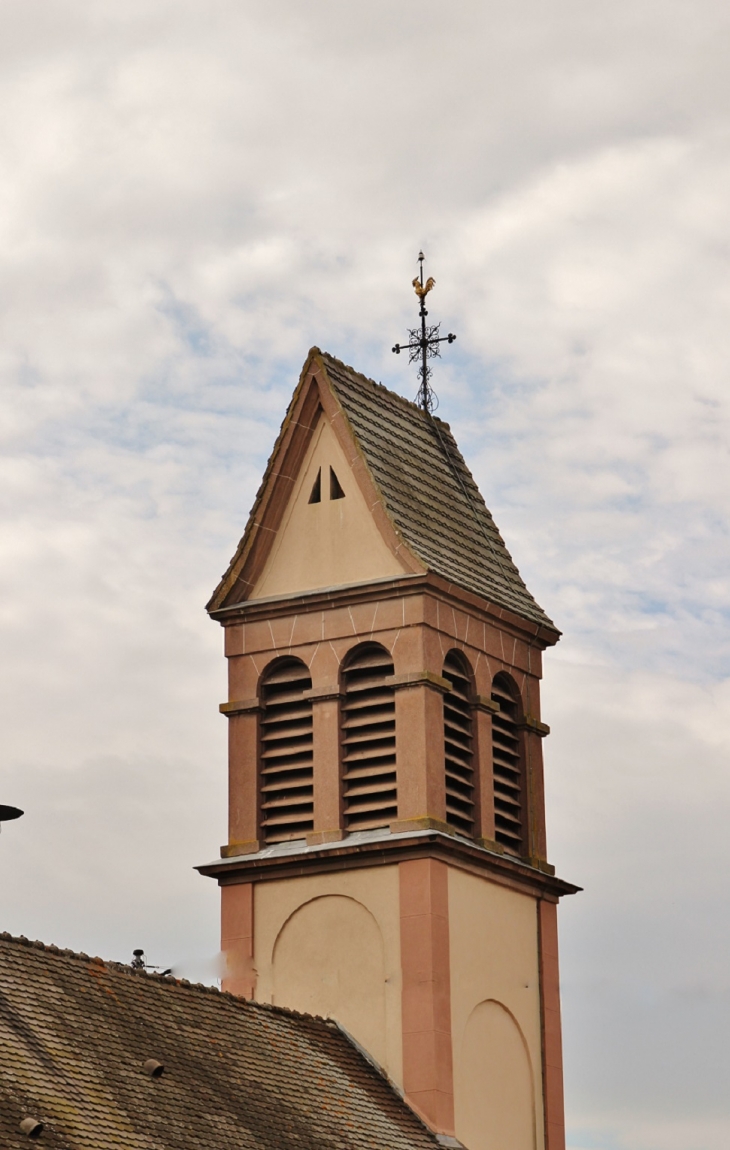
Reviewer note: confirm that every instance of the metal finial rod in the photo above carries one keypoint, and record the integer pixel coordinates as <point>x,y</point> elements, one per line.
<point>423,343</point>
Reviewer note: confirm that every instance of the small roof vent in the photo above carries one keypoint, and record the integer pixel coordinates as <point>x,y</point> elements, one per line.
<point>154,1068</point>
<point>31,1126</point>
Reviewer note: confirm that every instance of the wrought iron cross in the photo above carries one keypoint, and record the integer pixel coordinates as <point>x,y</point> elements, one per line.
<point>423,343</point>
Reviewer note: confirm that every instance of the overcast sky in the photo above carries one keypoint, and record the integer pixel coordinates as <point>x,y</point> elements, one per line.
<point>191,195</point>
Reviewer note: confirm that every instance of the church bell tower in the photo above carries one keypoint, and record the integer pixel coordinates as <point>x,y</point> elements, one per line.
<point>387,863</point>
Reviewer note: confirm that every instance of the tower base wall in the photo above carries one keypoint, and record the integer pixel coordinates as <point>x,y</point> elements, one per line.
<point>447,977</point>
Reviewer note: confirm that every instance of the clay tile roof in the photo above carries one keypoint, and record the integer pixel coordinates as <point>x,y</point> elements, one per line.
<point>75,1033</point>
<point>430,492</point>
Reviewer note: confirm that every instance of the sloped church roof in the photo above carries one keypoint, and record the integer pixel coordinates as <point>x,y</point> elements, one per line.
<point>425,487</point>
<point>75,1033</point>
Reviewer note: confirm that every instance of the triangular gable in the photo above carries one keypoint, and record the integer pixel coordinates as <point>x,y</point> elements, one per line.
<point>291,545</point>
<point>327,536</point>
<point>420,494</point>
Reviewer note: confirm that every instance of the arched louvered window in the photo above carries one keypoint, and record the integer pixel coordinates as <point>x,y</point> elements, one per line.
<point>286,783</point>
<point>459,745</point>
<point>509,796</point>
<point>368,740</point>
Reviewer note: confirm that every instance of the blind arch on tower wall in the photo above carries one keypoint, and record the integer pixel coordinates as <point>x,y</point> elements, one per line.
<point>369,789</point>
<point>510,811</point>
<point>459,745</point>
<point>286,775</point>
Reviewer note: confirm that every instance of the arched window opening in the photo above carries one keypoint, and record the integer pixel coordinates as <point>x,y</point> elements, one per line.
<point>459,745</point>
<point>286,778</point>
<point>368,740</point>
<point>509,815</point>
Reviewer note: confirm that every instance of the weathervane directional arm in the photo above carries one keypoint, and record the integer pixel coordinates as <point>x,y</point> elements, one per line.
<point>399,347</point>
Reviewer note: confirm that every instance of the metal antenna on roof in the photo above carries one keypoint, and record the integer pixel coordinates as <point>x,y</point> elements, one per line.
<point>423,342</point>
<point>139,962</point>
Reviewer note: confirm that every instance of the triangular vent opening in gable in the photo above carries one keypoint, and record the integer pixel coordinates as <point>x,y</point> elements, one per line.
<point>336,491</point>
<point>316,494</point>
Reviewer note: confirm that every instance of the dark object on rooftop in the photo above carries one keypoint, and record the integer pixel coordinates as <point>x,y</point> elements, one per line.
<point>31,1126</point>
<point>239,1074</point>
<point>154,1068</point>
<point>9,813</point>
<point>138,962</point>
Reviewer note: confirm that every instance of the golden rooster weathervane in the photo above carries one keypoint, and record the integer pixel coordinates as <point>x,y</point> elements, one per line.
<point>423,343</point>
<point>421,289</point>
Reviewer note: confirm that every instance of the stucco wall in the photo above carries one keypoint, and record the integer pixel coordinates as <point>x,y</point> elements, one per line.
<point>330,543</point>
<point>495,1013</point>
<point>330,945</point>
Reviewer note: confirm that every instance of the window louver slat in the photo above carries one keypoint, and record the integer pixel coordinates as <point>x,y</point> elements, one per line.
<point>298,722</point>
<point>373,812</point>
<point>366,751</point>
<point>358,738</point>
<point>369,771</point>
<point>366,786</point>
<point>281,808</point>
<point>300,745</point>
<point>507,772</point>
<point>355,720</point>
<point>286,764</point>
<point>279,823</point>
<point>368,742</point>
<point>373,658</point>
<point>369,689</point>
<point>458,748</point>
<point>294,672</point>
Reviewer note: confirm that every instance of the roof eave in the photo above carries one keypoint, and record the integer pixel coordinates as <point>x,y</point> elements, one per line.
<point>228,581</point>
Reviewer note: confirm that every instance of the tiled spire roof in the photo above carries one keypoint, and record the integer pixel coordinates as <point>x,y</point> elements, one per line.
<point>429,491</point>
<point>75,1033</point>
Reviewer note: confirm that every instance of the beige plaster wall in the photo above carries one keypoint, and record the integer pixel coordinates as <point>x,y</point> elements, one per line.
<point>495,1015</point>
<point>330,945</point>
<point>330,543</point>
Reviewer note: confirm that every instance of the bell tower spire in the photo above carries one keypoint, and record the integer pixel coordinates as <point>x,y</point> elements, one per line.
<point>386,862</point>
